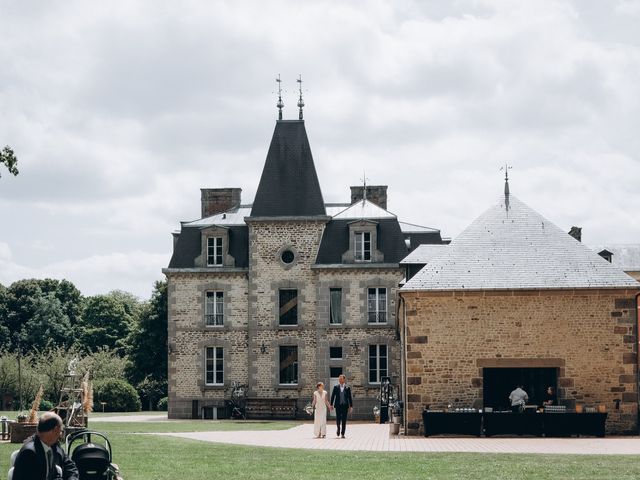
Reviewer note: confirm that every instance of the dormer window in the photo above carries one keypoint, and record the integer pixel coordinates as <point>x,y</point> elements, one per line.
<point>214,251</point>
<point>362,247</point>
<point>607,255</point>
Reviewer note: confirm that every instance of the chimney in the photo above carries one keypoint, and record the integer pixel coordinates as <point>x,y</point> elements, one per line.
<point>218,200</point>
<point>576,232</point>
<point>375,194</point>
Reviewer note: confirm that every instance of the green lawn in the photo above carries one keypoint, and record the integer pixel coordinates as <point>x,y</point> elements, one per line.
<point>159,458</point>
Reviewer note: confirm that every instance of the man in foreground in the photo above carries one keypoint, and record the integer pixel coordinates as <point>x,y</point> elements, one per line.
<point>41,453</point>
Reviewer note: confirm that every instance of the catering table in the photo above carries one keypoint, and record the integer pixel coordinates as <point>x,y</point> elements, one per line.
<point>454,423</point>
<point>508,423</point>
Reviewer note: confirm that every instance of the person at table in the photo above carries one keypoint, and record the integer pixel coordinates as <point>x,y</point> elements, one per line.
<point>550,397</point>
<point>519,399</point>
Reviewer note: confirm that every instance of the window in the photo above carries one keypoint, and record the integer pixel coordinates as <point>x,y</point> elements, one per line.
<point>214,251</point>
<point>288,307</point>
<point>363,246</point>
<point>335,306</point>
<point>287,257</point>
<point>289,365</point>
<point>377,305</point>
<point>214,309</point>
<point>335,353</point>
<point>377,363</point>
<point>214,366</point>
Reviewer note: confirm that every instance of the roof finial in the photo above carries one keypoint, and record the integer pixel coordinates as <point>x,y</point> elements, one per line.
<point>280,103</point>
<point>506,169</point>
<point>300,101</point>
<point>364,189</point>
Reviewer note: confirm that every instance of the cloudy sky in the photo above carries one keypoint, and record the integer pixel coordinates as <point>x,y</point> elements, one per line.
<point>120,111</point>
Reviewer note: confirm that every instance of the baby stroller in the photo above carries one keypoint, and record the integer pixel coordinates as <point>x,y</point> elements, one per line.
<point>92,459</point>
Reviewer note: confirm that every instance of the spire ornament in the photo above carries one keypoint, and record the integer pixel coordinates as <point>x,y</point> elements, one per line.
<point>280,103</point>
<point>506,169</point>
<point>300,101</point>
<point>364,188</point>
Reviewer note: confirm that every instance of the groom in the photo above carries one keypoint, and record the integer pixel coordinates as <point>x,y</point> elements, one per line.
<point>341,400</point>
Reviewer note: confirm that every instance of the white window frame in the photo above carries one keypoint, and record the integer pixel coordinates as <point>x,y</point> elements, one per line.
<point>218,308</point>
<point>377,368</point>
<point>360,253</point>
<point>377,310</point>
<point>331,291</point>
<point>218,354</point>
<point>215,252</point>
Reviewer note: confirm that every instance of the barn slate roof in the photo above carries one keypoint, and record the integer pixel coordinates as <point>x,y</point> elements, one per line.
<point>289,184</point>
<point>513,247</point>
<point>423,254</point>
<point>625,256</point>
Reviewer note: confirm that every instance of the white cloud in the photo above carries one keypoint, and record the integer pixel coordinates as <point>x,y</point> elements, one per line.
<point>120,112</point>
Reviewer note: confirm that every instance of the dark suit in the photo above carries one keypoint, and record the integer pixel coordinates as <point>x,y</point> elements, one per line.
<point>342,408</point>
<point>31,462</point>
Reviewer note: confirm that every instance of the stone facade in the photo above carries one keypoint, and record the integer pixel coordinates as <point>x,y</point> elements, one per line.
<point>250,291</point>
<point>588,335</point>
<point>251,334</point>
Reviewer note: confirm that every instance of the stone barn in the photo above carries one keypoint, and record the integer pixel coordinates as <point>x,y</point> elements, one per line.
<point>514,299</point>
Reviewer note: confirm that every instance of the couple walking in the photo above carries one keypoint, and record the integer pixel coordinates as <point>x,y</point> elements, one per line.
<point>341,400</point>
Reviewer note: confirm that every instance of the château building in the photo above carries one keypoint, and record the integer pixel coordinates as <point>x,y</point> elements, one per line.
<point>286,291</point>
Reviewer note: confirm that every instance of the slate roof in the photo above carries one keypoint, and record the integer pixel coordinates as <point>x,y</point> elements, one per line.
<point>289,184</point>
<point>363,209</point>
<point>235,216</point>
<point>411,228</point>
<point>335,241</point>
<point>625,256</point>
<point>517,249</point>
<point>423,254</point>
<point>188,246</point>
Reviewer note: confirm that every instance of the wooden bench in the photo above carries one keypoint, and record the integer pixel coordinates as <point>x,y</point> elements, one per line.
<point>271,408</point>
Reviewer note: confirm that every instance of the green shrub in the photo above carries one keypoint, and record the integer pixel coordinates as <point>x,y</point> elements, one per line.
<point>118,395</point>
<point>163,404</point>
<point>46,405</point>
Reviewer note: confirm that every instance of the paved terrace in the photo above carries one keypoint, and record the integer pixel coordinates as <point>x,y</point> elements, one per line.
<point>376,438</point>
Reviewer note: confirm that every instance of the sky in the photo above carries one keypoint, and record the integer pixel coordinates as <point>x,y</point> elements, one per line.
<point>119,112</point>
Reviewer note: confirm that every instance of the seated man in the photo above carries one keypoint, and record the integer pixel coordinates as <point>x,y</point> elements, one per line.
<point>41,453</point>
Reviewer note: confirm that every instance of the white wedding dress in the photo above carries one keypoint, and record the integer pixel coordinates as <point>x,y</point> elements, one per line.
<point>320,414</point>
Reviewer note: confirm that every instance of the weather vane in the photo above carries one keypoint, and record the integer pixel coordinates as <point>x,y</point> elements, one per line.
<point>300,101</point>
<point>280,103</point>
<point>364,182</point>
<point>506,169</point>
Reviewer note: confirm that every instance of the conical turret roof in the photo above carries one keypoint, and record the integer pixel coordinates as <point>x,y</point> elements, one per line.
<point>289,184</point>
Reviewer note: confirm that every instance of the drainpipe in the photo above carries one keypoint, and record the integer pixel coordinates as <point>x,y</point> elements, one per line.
<point>403,361</point>
<point>638,361</point>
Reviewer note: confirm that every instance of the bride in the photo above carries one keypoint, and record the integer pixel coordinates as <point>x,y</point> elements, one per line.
<point>321,404</point>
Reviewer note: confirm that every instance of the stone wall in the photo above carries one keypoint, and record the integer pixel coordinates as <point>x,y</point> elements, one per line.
<point>589,335</point>
<point>189,336</point>
<point>251,335</point>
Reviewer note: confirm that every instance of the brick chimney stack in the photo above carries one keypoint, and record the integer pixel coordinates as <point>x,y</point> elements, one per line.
<point>218,200</point>
<point>375,194</point>
<point>576,232</point>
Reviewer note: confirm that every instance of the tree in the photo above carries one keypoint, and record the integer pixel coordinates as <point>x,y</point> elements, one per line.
<point>8,158</point>
<point>147,344</point>
<point>24,298</point>
<point>105,323</point>
<point>5,333</point>
<point>103,364</point>
<point>48,325</point>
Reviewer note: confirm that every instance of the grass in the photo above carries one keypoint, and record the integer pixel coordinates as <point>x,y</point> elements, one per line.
<point>143,457</point>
